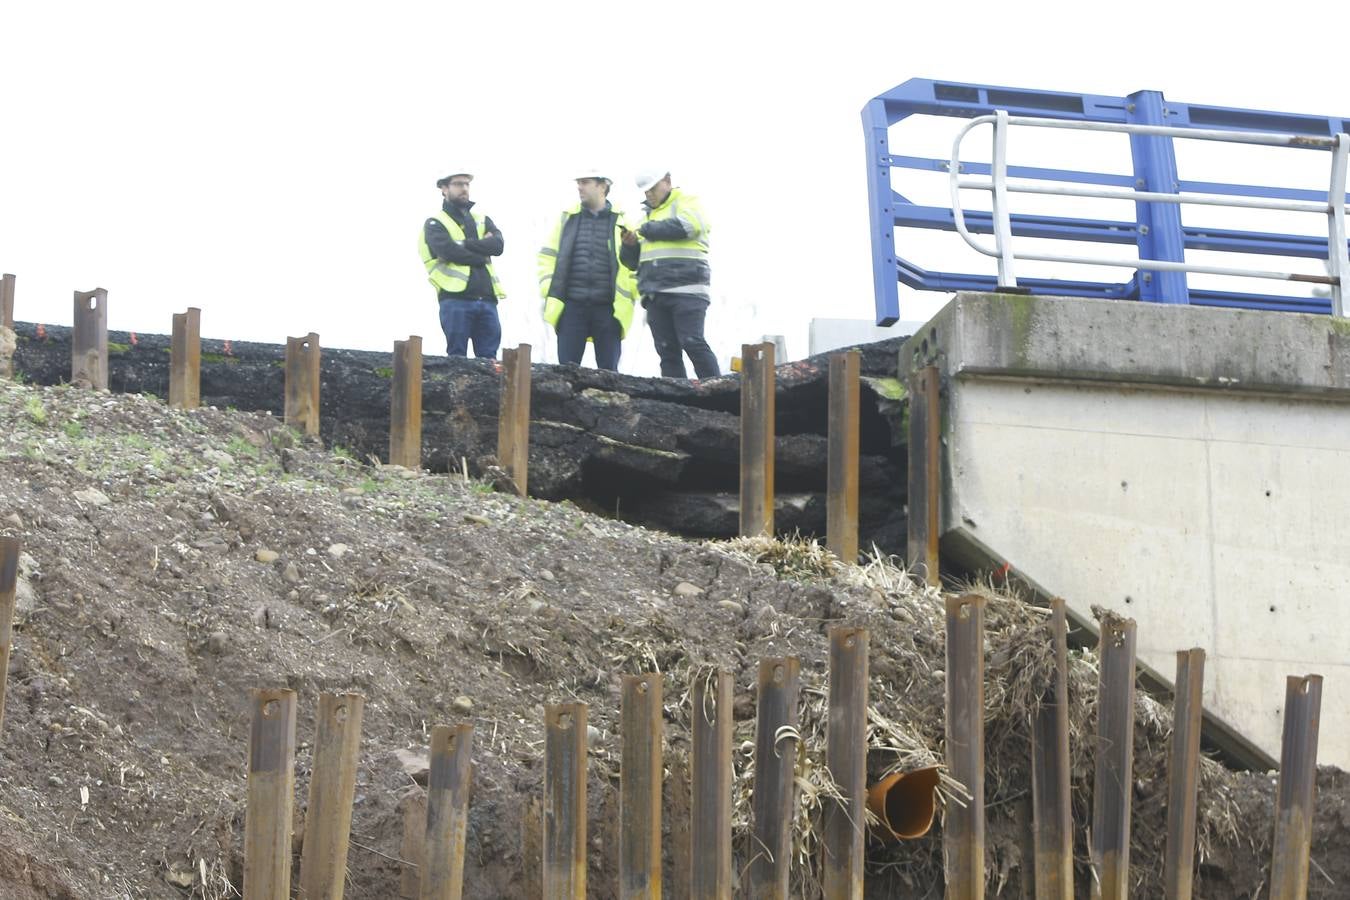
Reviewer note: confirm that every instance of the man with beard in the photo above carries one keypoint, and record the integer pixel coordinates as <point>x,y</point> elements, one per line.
<point>457,246</point>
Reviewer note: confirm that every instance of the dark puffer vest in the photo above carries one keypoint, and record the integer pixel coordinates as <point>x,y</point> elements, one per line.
<point>590,267</point>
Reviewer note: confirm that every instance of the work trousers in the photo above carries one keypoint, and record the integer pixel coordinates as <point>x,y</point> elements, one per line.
<point>596,321</point>
<point>676,321</point>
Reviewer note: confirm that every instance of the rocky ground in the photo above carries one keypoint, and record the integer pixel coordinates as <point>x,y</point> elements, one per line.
<point>173,561</point>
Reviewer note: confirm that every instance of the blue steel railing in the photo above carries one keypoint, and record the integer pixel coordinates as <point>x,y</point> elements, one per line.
<point>1158,232</point>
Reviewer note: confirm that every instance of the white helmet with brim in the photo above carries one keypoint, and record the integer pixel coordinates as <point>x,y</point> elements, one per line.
<point>647,178</point>
<point>442,182</point>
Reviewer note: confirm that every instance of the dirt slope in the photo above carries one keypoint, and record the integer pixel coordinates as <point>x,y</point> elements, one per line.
<point>151,604</point>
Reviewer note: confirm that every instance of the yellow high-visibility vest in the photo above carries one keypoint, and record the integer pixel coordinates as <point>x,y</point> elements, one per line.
<point>625,284</point>
<point>686,208</point>
<point>452,277</point>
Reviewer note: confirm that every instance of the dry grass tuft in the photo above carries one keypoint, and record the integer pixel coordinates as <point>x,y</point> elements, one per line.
<point>906,621</point>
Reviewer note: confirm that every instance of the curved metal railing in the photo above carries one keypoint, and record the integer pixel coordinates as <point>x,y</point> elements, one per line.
<point>1000,186</point>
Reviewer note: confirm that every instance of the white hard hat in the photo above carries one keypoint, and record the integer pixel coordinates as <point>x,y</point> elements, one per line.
<point>597,174</point>
<point>442,182</point>
<point>648,177</point>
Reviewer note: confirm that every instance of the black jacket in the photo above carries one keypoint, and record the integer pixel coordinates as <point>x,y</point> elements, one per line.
<point>655,276</point>
<point>587,263</point>
<point>473,252</point>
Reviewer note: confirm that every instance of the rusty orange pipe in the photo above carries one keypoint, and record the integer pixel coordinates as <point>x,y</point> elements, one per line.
<point>905,803</point>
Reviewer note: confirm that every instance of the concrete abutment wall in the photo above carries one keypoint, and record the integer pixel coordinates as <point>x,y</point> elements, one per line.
<point>1184,466</point>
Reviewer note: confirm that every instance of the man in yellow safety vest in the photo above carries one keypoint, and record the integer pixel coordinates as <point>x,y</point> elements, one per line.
<point>670,250</point>
<point>588,293</point>
<point>457,246</point>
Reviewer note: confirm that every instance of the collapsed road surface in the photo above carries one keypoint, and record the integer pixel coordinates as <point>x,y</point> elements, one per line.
<point>652,451</point>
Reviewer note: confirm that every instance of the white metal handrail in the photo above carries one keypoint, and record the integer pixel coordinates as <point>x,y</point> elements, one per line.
<point>1338,260</point>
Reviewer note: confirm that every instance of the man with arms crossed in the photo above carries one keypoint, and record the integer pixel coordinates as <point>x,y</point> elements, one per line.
<point>457,246</point>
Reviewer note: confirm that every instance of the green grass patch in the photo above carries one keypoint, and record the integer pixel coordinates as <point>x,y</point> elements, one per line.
<point>888,388</point>
<point>239,446</point>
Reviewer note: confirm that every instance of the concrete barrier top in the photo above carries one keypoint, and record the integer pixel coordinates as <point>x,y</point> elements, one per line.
<point>1120,341</point>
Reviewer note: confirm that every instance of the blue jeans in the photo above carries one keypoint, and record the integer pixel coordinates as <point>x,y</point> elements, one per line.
<point>589,320</point>
<point>463,320</point>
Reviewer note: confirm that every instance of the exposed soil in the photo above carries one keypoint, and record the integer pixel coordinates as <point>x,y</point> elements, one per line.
<point>148,611</point>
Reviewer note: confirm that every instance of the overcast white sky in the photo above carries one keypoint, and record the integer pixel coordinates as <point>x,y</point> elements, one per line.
<point>272,162</point>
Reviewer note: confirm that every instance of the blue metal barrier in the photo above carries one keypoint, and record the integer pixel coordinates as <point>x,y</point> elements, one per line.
<point>1158,232</point>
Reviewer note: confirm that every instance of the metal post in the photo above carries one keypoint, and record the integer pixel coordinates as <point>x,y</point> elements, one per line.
<point>1155,170</point>
<point>1002,217</point>
<point>640,788</point>
<point>271,796</point>
<point>447,812</point>
<point>7,301</point>
<point>1338,259</point>
<point>89,339</point>
<point>841,504</point>
<point>405,405</point>
<point>757,436</point>
<point>565,801</point>
<point>7,325</point>
<point>328,818</point>
<point>844,828</point>
<point>1052,810</point>
<point>413,848</point>
<point>710,843</point>
<point>776,745</point>
<point>1113,785</point>
<point>185,360</point>
<point>1297,791</point>
<point>963,833</point>
<point>513,417</point>
<point>881,210</point>
<point>9,580</point>
<point>925,473</point>
<point>1183,769</point>
<point>302,383</point>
